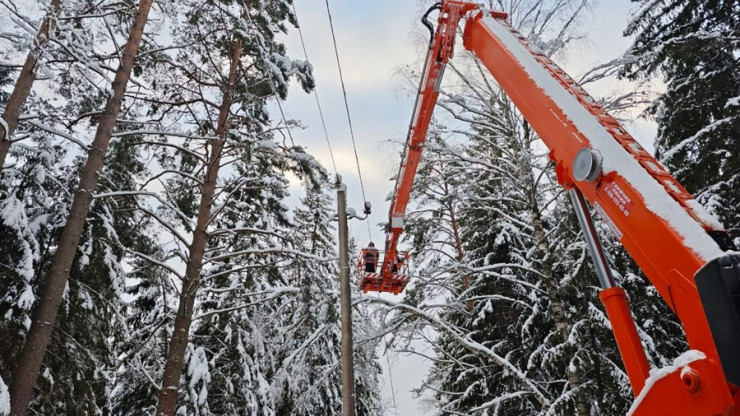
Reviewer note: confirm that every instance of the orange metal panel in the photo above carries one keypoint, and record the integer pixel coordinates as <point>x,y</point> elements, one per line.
<point>625,332</point>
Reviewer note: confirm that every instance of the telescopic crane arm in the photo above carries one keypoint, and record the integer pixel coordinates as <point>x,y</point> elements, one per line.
<point>681,248</point>
<point>440,51</point>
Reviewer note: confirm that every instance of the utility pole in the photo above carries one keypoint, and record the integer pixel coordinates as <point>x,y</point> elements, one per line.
<point>348,366</point>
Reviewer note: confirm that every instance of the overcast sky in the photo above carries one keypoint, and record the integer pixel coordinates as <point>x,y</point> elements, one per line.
<point>373,38</point>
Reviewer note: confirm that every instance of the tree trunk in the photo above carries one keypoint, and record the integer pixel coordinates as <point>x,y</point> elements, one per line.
<point>25,375</point>
<point>168,393</point>
<point>22,88</point>
<point>458,244</point>
<point>550,282</point>
<point>556,305</point>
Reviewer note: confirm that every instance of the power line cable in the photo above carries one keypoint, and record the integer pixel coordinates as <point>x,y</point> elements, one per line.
<point>346,106</point>
<point>315,92</point>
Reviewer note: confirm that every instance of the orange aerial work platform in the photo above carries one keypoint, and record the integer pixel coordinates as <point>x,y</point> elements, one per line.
<point>372,279</point>
<point>684,251</point>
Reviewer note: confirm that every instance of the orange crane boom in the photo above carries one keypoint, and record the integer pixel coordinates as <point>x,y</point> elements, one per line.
<point>680,247</point>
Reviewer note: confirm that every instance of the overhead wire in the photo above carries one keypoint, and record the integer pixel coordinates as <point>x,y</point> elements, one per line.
<point>315,93</point>
<point>328,141</point>
<point>346,106</point>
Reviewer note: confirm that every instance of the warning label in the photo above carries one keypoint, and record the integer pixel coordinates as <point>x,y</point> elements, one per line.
<point>608,221</point>
<point>621,200</point>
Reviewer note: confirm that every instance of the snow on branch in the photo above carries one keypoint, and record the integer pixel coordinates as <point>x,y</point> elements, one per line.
<point>273,250</point>
<point>154,261</point>
<point>163,223</point>
<point>231,231</point>
<point>144,132</point>
<point>316,334</point>
<point>273,295</point>
<point>154,215</point>
<point>467,343</point>
<point>236,270</point>
<point>607,69</point>
<point>136,349</point>
<point>707,129</point>
<point>63,135</point>
<point>499,400</point>
<point>498,297</point>
<point>163,172</point>
<point>565,397</point>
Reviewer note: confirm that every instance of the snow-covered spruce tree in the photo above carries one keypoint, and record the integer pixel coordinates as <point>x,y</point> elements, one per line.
<point>78,370</point>
<point>310,372</point>
<point>522,287</point>
<point>142,346</point>
<point>695,46</point>
<point>39,334</point>
<point>307,378</point>
<point>5,79</point>
<point>31,197</point>
<point>513,263</point>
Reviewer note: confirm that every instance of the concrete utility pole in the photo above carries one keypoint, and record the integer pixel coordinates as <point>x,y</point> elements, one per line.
<point>348,366</point>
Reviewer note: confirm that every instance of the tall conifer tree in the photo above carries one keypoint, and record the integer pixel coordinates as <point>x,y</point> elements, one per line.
<point>695,47</point>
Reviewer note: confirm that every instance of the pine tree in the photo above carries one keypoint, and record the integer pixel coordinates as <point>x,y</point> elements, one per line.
<point>38,186</point>
<point>23,84</point>
<point>29,364</point>
<point>75,372</point>
<point>231,225</point>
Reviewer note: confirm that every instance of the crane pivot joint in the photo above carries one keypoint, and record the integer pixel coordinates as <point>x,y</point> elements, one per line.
<point>587,165</point>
